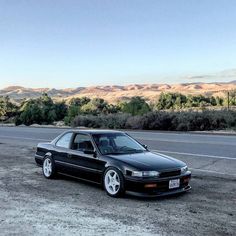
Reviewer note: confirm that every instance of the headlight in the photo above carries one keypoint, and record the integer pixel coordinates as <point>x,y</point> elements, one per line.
<point>184,169</point>
<point>145,173</point>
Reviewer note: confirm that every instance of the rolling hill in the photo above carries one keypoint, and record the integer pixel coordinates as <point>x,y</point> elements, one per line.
<point>115,93</point>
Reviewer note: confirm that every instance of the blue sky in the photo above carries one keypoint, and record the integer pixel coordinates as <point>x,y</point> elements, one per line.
<point>72,43</point>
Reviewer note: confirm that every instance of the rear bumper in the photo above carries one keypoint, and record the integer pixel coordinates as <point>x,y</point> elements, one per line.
<point>161,186</point>
<point>38,160</point>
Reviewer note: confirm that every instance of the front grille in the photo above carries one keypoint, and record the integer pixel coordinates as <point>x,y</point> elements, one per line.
<point>164,187</point>
<point>170,173</point>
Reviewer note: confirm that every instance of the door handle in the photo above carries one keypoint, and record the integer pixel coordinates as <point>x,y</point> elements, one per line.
<point>69,155</point>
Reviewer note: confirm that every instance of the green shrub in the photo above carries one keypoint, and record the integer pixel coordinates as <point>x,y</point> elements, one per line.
<point>111,121</point>
<point>162,120</point>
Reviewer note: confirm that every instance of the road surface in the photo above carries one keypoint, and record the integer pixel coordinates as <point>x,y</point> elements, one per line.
<point>202,152</point>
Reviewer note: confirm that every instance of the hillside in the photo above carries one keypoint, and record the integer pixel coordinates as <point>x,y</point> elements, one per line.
<point>114,93</point>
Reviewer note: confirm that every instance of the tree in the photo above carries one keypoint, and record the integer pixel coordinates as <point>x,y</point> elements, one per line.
<point>74,108</point>
<point>219,101</point>
<point>46,105</point>
<point>60,110</point>
<point>2,107</point>
<point>213,101</point>
<point>95,106</point>
<point>31,113</point>
<point>171,101</point>
<point>79,101</point>
<point>178,101</point>
<point>41,111</point>
<point>7,108</point>
<point>136,106</point>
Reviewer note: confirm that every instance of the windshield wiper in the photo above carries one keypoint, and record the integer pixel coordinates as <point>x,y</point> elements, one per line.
<point>125,152</point>
<point>113,153</point>
<point>135,151</point>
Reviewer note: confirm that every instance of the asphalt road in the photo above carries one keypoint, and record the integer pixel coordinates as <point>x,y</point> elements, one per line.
<point>214,154</point>
<point>199,144</point>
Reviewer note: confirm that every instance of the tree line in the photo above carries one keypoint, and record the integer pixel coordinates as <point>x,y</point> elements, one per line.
<point>135,113</point>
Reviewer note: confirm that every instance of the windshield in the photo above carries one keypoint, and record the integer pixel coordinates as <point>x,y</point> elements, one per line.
<point>117,144</point>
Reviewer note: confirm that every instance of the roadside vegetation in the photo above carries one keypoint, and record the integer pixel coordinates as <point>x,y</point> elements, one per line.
<point>172,111</point>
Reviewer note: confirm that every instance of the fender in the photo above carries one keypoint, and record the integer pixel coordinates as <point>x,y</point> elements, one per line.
<point>121,166</point>
<point>48,154</point>
<point>109,164</point>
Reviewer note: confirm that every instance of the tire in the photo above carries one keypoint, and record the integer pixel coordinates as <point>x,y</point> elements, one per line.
<point>113,182</point>
<point>49,170</point>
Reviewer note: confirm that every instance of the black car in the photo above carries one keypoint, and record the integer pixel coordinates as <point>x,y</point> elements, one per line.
<point>114,160</point>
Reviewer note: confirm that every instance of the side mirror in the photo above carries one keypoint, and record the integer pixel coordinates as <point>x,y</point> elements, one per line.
<point>90,152</point>
<point>145,146</point>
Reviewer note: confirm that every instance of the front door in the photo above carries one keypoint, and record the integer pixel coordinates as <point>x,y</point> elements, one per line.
<point>82,160</point>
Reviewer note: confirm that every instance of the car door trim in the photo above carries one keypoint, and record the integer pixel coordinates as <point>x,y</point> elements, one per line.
<point>75,177</point>
<point>77,166</point>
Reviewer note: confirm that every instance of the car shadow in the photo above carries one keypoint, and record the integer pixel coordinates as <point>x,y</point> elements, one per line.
<point>127,195</point>
<point>176,196</point>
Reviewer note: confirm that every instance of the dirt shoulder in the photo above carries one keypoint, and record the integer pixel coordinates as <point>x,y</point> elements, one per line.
<point>31,204</point>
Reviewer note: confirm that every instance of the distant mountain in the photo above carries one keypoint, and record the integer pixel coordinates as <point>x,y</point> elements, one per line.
<point>115,93</point>
<point>232,82</point>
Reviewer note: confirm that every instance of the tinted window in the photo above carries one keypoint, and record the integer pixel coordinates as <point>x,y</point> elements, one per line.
<point>82,142</point>
<point>117,143</point>
<point>122,141</point>
<point>64,141</point>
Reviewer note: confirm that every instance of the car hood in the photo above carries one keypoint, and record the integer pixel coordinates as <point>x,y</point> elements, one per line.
<point>149,161</point>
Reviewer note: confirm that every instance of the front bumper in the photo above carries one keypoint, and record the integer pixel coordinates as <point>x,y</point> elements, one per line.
<point>139,187</point>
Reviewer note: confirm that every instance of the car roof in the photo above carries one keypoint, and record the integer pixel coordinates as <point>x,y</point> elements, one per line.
<point>94,131</point>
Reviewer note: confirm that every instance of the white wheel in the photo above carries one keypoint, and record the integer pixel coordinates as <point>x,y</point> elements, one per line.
<point>112,182</point>
<point>47,167</point>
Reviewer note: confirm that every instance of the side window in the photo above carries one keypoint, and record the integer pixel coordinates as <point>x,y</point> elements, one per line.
<point>82,142</point>
<point>64,141</point>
